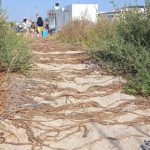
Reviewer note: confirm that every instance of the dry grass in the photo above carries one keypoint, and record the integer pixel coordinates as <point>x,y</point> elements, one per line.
<point>75,31</point>
<point>86,33</point>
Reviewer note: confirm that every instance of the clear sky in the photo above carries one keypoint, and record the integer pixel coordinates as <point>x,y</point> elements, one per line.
<point>18,9</point>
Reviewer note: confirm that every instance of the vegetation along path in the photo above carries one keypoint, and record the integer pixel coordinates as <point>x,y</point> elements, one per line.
<point>67,103</point>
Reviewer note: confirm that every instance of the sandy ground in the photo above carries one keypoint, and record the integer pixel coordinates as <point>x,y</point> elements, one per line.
<point>69,104</point>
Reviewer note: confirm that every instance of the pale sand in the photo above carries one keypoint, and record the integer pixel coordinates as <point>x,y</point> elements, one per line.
<point>83,134</point>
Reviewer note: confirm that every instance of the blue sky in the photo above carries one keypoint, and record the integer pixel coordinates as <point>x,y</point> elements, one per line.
<point>17,9</point>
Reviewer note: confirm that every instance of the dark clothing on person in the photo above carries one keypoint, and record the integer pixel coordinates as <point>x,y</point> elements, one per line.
<point>40,22</point>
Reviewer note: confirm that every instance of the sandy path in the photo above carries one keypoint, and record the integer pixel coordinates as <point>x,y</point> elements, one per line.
<point>69,104</point>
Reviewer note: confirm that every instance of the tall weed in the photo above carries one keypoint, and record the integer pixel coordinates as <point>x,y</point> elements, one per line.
<point>14,49</point>
<point>75,31</point>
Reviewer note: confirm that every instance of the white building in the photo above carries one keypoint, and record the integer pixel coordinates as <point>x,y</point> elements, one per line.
<point>114,14</point>
<point>58,17</point>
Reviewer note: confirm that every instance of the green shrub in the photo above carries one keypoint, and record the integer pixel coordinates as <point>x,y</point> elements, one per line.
<point>14,49</point>
<point>100,32</point>
<point>128,51</point>
<point>123,45</point>
<point>128,60</point>
<point>134,27</point>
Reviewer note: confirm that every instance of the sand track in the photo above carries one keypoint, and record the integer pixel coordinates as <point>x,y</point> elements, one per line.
<point>69,104</point>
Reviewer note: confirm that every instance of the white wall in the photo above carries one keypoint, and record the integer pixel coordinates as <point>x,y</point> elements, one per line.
<point>59,21</point>
<point>79,11</point>
<point>85,11</point>
<point>52,22</point>
<point>63,16</point>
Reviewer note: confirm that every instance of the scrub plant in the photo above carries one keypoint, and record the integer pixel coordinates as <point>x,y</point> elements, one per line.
<point>122,44</point>
<point>14,49</point>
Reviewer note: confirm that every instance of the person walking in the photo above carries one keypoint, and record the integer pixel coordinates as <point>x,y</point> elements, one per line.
<point>39,25</point>
<point>24,26</point>
<point>33,29</point>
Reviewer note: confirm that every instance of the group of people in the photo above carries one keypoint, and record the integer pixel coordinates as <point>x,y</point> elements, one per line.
<point>35,27</point>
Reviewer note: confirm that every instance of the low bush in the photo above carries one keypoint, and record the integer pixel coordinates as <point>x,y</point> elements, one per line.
<point>14,49</point>
<point>122,44</point>
<point>128,51</point>
<point>127,60</point>
<point>100,32</point>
